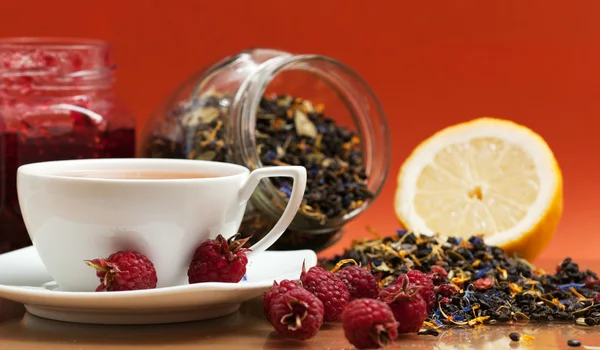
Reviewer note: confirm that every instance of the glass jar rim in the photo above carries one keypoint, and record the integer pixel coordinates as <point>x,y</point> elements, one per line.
<point>53,43</point>
<point>248,97</point>
<point>97,74</point>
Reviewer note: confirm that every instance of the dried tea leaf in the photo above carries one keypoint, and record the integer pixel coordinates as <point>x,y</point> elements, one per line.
<point>284,101</point>
<point>327,162</point>
<point>208,115</point>
<point>267,116</point>
<point>286,145</point>
<point>315,158</point>
<point>260,135</point>
<point>307,105</point>
<point>210,92</point>
<point>280,151</point>
<point>206,134</point>
<point>190,119</point>
<point>208,155</point>
<point>341,162</point>
<point>304,127</point>
<point>205,115</point>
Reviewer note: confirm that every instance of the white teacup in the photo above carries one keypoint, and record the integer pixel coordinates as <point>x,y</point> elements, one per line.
<point>76,210</point>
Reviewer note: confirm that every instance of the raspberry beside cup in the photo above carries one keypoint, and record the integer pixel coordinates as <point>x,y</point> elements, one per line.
<point>124,270</point>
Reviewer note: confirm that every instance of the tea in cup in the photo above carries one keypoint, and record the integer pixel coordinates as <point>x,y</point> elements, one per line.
<point>76,210</point>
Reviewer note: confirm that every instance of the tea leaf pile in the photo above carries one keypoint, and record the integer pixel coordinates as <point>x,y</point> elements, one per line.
<point>493,287</point>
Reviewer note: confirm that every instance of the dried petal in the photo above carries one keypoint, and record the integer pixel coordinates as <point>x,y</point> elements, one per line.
<point>304,127</point>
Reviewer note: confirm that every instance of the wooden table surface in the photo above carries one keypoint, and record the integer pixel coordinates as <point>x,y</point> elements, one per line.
<point>248,329</point>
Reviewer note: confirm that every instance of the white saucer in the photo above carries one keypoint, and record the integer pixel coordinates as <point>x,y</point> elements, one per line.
<point>24,279</point>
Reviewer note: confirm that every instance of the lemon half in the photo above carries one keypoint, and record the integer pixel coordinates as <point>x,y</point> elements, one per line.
<point>486,176</point>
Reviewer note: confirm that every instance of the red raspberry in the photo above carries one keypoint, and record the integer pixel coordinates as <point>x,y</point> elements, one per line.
<point>369,323</point>
<point>446,290</point>
<point>597,298</point>
<point>278,289</point>
<point>219,260</point>
<point>438,275</point>
<point>124,270</point>
<point>360,282</point>
<point>484,283</point>
<point>591,282</point>
<point>296,314</point>
<point>328,288</point>
<point>410,310</point>
<point>422,280</point>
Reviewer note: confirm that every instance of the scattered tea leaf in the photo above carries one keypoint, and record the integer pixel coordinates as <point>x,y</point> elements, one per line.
<point>304,127</point>
<point>492,287</point>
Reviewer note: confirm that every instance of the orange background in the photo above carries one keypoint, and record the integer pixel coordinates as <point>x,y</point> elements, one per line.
<point>431,63</point>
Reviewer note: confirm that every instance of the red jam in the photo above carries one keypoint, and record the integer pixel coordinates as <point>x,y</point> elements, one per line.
<point>56,102</point>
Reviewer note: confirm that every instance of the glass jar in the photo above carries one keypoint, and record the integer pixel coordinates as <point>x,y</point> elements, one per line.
<point>265,107</point>
<point>56,102</point>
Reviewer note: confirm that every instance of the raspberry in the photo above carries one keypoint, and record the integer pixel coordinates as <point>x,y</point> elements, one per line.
<point>591,281</point>
<point>597,298</point>
<point>296,313</point>
<point>369,323</point>
<point>360,282</point>
<point>409,308</point>
<point>484,283</point>
<point>278,289</point>
<point>124,270</point>
<point>219,260</point>
<point>446,290</point>
<point>438,275</point>
<point>424,281</point>
<point>328,288</point>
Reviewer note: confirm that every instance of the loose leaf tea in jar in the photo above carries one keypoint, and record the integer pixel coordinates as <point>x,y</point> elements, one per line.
<point>56,102</point>
<point>272,108</point>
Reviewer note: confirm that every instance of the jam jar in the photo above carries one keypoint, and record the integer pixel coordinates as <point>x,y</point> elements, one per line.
<point>264,107</point>
<point>56,102</point>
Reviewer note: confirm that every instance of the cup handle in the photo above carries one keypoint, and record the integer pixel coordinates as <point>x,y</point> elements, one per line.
<point>298,174</point>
